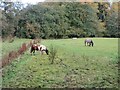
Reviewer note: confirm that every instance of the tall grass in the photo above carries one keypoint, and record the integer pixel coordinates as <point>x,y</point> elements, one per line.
<point>52,53</point>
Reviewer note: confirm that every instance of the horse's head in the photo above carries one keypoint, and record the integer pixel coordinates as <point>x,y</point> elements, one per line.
<point>92,43</point>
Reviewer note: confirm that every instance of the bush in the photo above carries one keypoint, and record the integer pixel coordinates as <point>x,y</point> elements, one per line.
<point>52,54</point>
<point>10,39</point>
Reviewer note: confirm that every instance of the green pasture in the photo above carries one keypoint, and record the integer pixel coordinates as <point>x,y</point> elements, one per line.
<point>75,65</point>
<point>7,46</point>
<point>103,47</point>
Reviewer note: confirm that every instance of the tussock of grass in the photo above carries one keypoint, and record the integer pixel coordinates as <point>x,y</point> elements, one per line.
<point>52,53</point>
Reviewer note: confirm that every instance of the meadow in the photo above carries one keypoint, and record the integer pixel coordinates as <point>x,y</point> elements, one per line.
<point>75,65</point>
<point>7,47</point>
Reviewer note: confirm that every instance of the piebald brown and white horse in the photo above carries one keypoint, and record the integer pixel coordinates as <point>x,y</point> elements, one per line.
<point>40,48</point>
<point>88,42</point>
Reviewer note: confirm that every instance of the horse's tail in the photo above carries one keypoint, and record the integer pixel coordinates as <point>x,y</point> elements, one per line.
<point>92,43</point>
<point>47,52</point>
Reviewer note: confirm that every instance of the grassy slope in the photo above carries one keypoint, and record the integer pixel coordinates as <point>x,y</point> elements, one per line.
<point>75,66</point>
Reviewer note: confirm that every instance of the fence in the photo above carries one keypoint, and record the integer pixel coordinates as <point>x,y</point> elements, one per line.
<point>7,59</point>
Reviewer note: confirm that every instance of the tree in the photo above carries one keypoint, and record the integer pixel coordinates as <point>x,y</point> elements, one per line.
<point>112,25</point>
<point>9,17</point>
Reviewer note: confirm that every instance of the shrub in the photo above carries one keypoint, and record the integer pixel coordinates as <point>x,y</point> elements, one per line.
<point>10,39</point>
<point>52,54</point>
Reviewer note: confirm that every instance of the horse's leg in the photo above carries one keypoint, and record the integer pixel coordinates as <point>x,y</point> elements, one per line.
<point>89,44</point>
<point>41,52</point>
<point>31,51</point>
<point>34,52</point>
<point>85,43</point>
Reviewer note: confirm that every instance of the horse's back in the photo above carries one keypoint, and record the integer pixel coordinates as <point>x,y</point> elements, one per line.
<point>88,40</point>
<point>42,47</point>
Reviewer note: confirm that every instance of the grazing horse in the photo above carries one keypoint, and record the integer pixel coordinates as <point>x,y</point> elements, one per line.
<point>89,42</point>
<point>40,48</point>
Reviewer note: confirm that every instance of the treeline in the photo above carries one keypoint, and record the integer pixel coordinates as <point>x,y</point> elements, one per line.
<point>59,20</point>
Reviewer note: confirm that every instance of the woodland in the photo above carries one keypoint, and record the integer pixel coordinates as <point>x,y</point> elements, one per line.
<point>55,20</point>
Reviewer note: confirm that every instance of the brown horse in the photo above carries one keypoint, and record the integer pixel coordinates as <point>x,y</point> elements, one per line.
<point>40,48</point>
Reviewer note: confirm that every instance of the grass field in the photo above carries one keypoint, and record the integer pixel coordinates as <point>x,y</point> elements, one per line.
<point>7,47</point>
<point>74,66</point>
